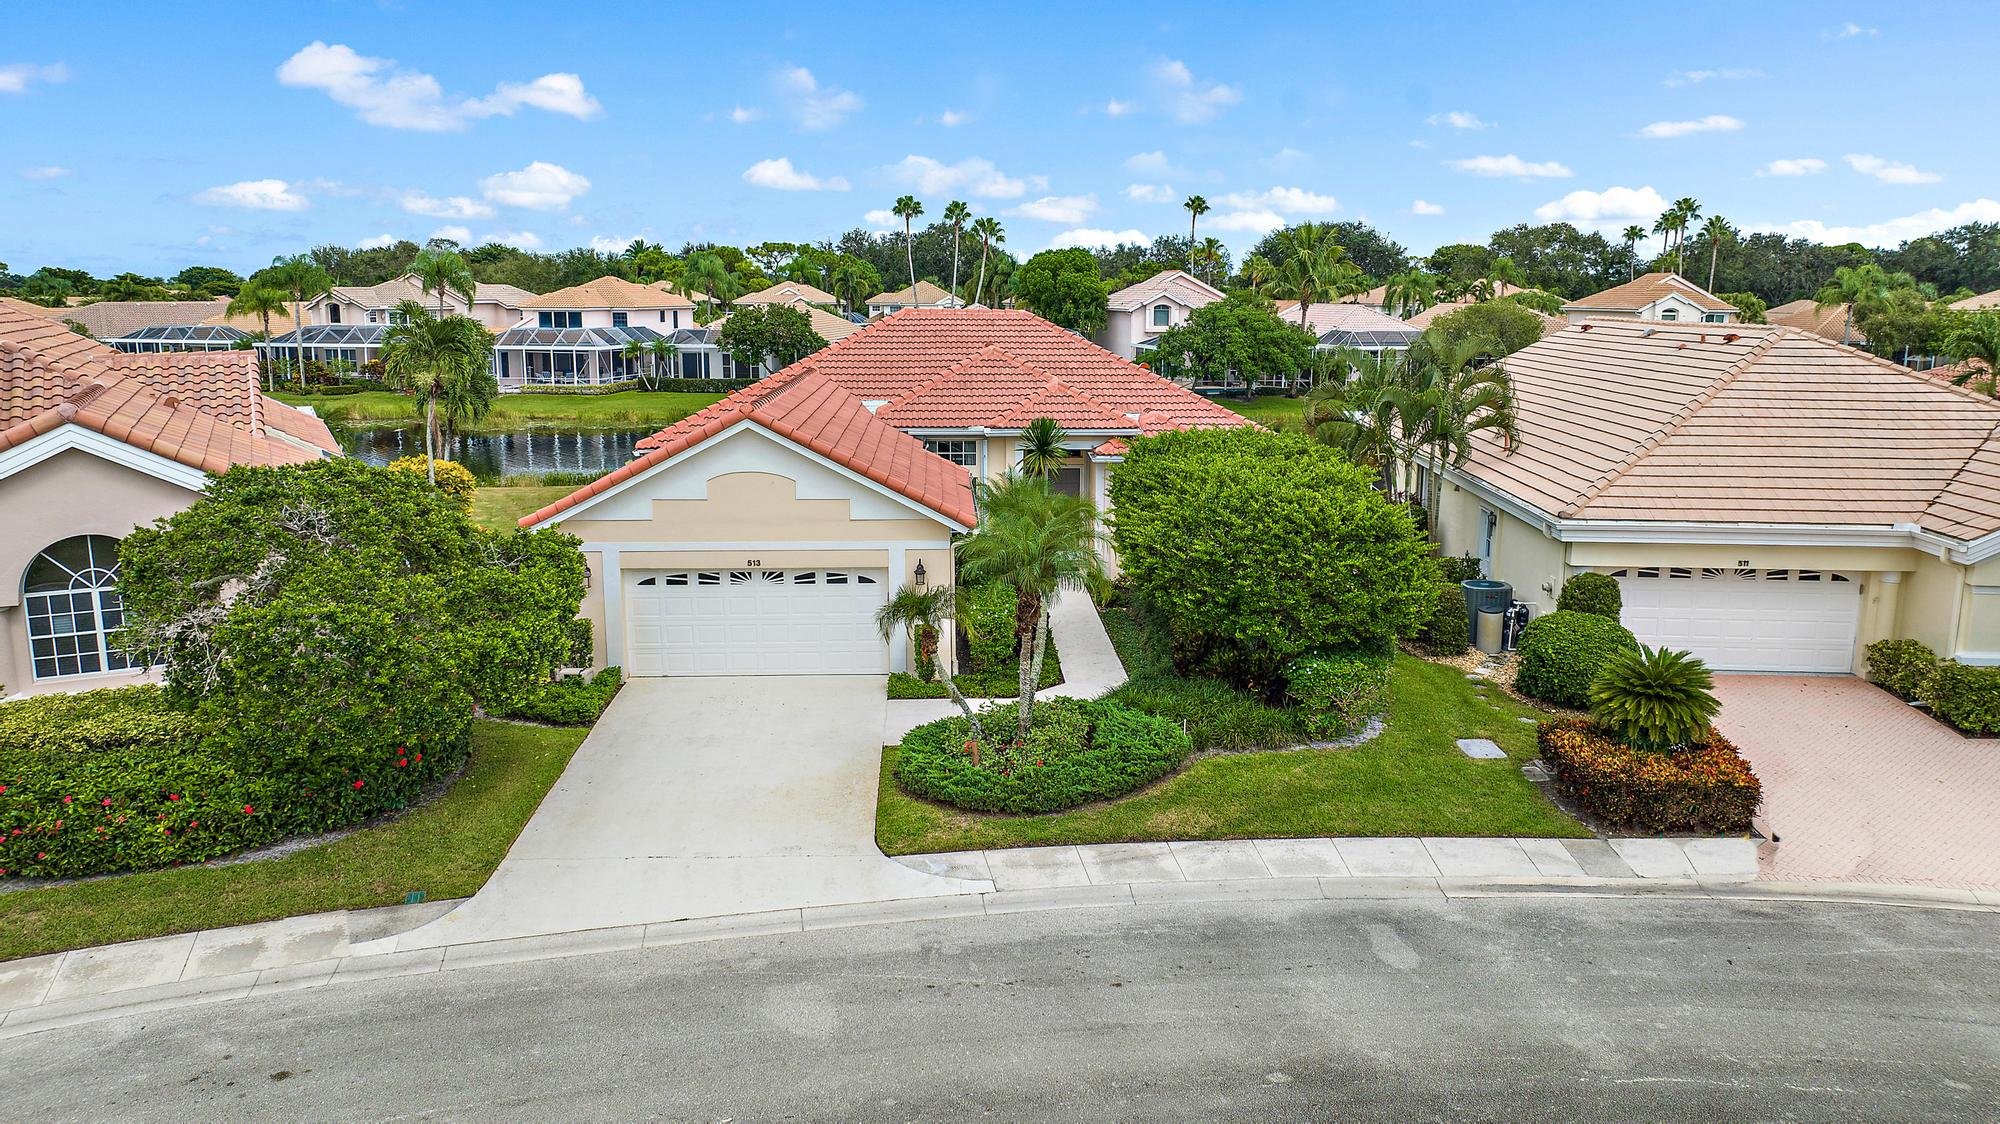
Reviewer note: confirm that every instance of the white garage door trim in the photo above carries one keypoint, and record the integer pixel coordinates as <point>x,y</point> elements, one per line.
<point>1745,620</point>
<point>754,622</point>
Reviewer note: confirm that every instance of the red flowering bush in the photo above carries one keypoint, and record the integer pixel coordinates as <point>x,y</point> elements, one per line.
<point>1707,787</point>
<point>1078,752</point>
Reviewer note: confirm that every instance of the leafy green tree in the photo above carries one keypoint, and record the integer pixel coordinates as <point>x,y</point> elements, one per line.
<point>774,334</point>
<point>132,287</point>
<point>440,359</point>
<point>1905,323</point>
<point>1458,267</point>
<point>1497,327</point>
<point>48,289</point>
<point>1864,289</point>
<point>303,279</point>
<point>990,234</point>
<point>1749,306</point>
<point>443,271</point>
<point>1063,287</point>
<point>1195,206</point>
<point>209,280</point>
<point>1976,337</point>
<point>1376,254</point>
<point>1241,333</point>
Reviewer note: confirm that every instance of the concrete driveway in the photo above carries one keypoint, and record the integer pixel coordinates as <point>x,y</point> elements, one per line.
<point>1860,787</point>
<point>701,797</point>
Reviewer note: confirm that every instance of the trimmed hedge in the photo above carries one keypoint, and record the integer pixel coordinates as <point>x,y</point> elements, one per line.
<point>1966,697</point>
<point>1904,667</point>
<point>1216,715</point>
<point>1462,569</point>
<point>986,615</point>
<point>575,701</point>
<point>1340,692</point>
<point>1447,633</point>
<point>1561,653</point>
<point>1592,592</point>
<point>1707,787</point>
<point>1077,752</point>
<point>702,386</point>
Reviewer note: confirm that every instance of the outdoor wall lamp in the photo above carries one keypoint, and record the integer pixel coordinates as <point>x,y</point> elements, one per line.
<point>920,573</point>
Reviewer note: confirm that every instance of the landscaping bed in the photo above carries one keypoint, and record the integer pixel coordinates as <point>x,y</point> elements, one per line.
<point>999,682</point>
<point>1077,752</point>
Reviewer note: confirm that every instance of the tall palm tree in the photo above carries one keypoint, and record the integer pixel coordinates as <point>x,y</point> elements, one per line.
<point>302,277</point>
<point>955,213</point>
<point>438,358</point>
<point>1258,273</point>
<point>1196,207</point>
<point>1686,211</point>
<point>1315,269</point>
<point>990,235</point>
<point>704,273</point>
<point>1864,289</point>
<point>1664,227</point>
<point>907,208</point>
<point>443,271</point>
<point>1214,257</point>
<point>1037,541</point>
<point>1504,272</point>
<point>261,301</point>
<point>1632,234</point>
<point>847,278</point>
<point>1407,293</point>
<point>1717,230</point>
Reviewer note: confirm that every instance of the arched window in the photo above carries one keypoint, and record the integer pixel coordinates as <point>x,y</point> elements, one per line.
<point>74,612</point>
<point>1161,315</point>
<point>1670,314</point>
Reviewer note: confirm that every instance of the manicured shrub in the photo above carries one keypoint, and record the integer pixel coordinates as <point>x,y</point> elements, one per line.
<point>1219,717</point>
<point>1592,592</point>
<point>1561,652</point>
<point>986,615</point>
<point>1447,632</point>
<point>1705,787</point>
<point>574,701</point>
<point>1654,698</point>
<point>453,479</point>
<point>1462,569</point>
<point>1078,752</point>
<point>1339,693</point>
<point>1966,697</point>
<point>1904,667</point>
<point>1255,548</point>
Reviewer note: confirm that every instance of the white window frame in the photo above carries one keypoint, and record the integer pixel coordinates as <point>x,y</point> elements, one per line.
<point>955,450</point>
<point>1163,316</point>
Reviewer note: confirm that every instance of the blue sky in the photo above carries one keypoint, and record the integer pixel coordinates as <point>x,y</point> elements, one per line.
<point>162,135</point>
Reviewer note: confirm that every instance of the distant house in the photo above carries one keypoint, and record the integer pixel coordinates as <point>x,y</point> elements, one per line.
<point>1138,314</point>
<point>1355,326</point>
<point>1832,321</point>
<point>1654,296</point>
<point>578,336</point>
<point>1981,303</point>
<point>795,293</point>
<point>922,295</point>
<point>345,326</point>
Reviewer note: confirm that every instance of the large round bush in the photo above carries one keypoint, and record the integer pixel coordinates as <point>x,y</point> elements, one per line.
<point>1078,752</point>
<point>1592,592</point>
<point>1561,652</point>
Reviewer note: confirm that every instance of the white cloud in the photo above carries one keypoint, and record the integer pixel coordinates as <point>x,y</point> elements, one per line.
<point>1890,232</point>
<point>605,244</point>
<point>813,105</point>
<point>1284,200</point>
<point>1713,123</point>
<point>1510,165</point>
<point>743,115</point>
<point>952,118</point>
<point>450,207</point>
<point>45,172</point>
<point>379,242</point>
<point>15,78</point>
<point>1888,171</point>
<point>1458,119</point>
<point>519,239</point>
<point>1286,157</point>
<point>1194,100</point>
<point>1244,222</point>
<point>1155,164</point>
<point>1057,208</point>
<point>779,175</point>
<point>1422,207</point>
<point>459,234</point>
<point>1116,108</point>
<point>1092,238</point>
<point>1149,193</point>
<point>1614,206</point>
<point>1851,30</point>
<point>255,195</point>
<point>382,93</point>
<point>974,176</point>
<point>882,218</point>
<point>541,186</point>
<point>1697,77</point>
<point>1803,166</point>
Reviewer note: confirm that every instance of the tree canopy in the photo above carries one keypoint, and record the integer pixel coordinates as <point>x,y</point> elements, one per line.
<point>1499,327</point>
<point>1242,333</point>
<point>776,335</point>
<point>1064,288</point>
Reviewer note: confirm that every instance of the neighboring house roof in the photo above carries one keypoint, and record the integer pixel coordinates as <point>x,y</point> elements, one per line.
<point>1976,303</point>
<point>1379,295</point>
<point>788,292</point>
<point>1740,424</point>
<point>1351,324</point>
<point>280,321</point>
<point>507,296</point>
<point>110,320</point>
<point>1646,289</point>
<point>31,308</point>
<point>409,287</point>
<point>928,296</point>
<point>818,413</point>
<point>1807,316</point>
<point>997,390</point>
<point>1174,284</point>
<point>201,409</point>
<point>608,292</point>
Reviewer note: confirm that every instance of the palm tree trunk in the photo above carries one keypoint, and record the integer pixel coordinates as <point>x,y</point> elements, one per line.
<point>299,337</point>
<point>1031,670</point>
<point>946,670</point>
<point>954,261</point>
<point>430,438</point>
<point>979,289</point>
<point>1714,249</point>
<point>1191,220</point>
<point>910,256</point>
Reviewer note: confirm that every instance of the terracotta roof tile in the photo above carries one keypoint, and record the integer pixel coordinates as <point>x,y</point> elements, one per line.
<point>1807,316</point>
<point>1174,284</point>
<point>788,292</point>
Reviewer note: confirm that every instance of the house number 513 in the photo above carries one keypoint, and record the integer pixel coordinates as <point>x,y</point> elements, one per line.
<point>754,562</point>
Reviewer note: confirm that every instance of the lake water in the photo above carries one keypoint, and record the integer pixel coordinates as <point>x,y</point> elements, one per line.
<point>493,455</point>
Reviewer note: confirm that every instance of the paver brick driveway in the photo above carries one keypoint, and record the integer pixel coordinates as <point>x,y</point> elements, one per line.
<point>1860,787</point>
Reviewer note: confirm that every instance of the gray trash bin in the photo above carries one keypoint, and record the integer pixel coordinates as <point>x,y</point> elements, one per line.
<point>1488,637</point>
<point>1484,593</point>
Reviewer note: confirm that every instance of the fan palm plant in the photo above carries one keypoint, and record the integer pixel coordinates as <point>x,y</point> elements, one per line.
<point>1654,698</point>
<point>439,359</point>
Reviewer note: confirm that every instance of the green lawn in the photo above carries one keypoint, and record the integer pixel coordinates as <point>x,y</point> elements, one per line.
<point>626,409</point>
<point>1411,780</point>
<point>446,849</point>
<point>1272,410</point>
<point>498,507</point>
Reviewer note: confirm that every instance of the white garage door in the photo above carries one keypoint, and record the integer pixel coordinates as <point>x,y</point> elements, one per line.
<point>1745,620</point>
<point>754,622</point>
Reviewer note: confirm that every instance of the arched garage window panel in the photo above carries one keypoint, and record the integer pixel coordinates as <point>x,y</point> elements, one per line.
<point>74,612</point>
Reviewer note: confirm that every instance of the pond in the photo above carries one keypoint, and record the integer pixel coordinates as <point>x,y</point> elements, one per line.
<point>493,455</point>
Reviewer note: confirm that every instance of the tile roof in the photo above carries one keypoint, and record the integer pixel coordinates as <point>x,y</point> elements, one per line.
<point>1322,318</point>
<point>1976,303</point>
<point>1647,288</point>
<point>280,321</point>
<point>15,305</point>
<point>1808,316</point>
<point>1425,318</point>
<point>507,296</point>
<point>818,413</point>
<point>1175,284</point>
<point>202,409</point>
<point>109,320</point>
<point>609,292</point>
<point>788,292</point>
<point>1736,423</point>
<point>928,296</point>
<point>993,389</point>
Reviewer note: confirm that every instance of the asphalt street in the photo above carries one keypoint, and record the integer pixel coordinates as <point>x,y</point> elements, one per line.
<point>1504,1008</point>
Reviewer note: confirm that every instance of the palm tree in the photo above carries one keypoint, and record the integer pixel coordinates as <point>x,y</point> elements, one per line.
<point>1213,256</point>
<point>1717,230</point>
<point>705,274</point>
<point>1502,273</point>
<point>658,352</point>
<point>302,277</point>
<point>260,301</point>
<point>922,614</point>
<point>1042,452</point>
<point>848,278</point>
<point>1037,541</point>
<point>438,358</point>
<point>1632,235</point>
<point>1864,289</point>
<point>633,351</point>
<point>1977,337</point>
<point>1448,397</point>
<point>1407,293</point>
<point>1258,273</point>
<point>990,235</point>
<point>1686,211</point>
<point>442,271</point>
<point>1196,207</point>
<point>1664,227</point>
<point>1316,269</point>
<point>955,213</point>
<point>1359,413</point>
<point>907,208</point>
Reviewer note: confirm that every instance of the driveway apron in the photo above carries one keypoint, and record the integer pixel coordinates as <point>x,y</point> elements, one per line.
<point>698,797</point>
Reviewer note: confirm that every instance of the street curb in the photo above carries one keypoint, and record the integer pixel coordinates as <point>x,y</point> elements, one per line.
<point>643,938</point>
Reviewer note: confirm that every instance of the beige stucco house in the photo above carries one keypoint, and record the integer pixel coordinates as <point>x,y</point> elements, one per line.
<point>93,443</point>
<point>924,294</point>
<point>1766,498</point>
<point>1138,314</point>
<point>1654,296</point>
